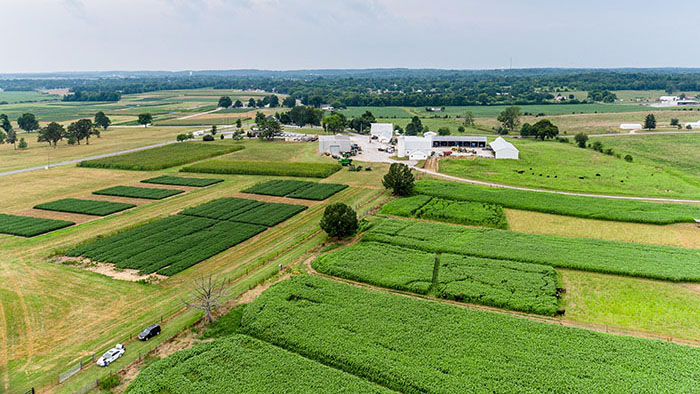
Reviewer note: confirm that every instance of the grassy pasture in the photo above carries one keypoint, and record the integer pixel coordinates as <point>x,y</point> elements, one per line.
<point>307,170</point>
<point>162,157</point>
<point>619,258</point>
<point>13,97</point>
<point>584,207</point>
<point>412,345</point>
<point>557,166</point>
<point>86,207</point>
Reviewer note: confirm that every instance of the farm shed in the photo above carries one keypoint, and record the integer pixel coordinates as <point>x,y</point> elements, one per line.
<point>693,125</point>
<point>383,131</point>
<point>503,149</point>
<point>431,142</point>
<point>630,126</point>
<point>333,144</point>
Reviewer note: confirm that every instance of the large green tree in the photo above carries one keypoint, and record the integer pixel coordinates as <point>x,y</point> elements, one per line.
<point>339,220</point>
<point>145,119</point>
<point>415,127</point>
<point>363,123</point>
<point>28,122</point>
<point>270,129</point>
<point>52,133</point>
<point>102,120</point>
<point>399,179</point>
<point>289,101</point>
<point>510,118</point>
<point>468,119</point>
<point>650,122</point>
<point>544,129</point>
<point>334,123</point>
<point>251,103</point>
<point>81,129</point>
<point>225,101</point>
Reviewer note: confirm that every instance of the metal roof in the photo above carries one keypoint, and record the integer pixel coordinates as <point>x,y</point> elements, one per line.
<point>459,138</point>
<point>499,144</point>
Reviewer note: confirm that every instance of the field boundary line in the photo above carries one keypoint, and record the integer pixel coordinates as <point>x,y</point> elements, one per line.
<point>528,189</point>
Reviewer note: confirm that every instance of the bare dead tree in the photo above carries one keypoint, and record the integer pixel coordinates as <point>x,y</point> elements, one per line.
<point>207,296</point>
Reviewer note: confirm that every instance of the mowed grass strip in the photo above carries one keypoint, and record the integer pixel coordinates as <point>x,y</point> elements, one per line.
<point>612,257</point>
<point>138,192</point>
<point>296,189</point>
<point>26,226</point>
<point>85,207</point>
<point>167,246</point>
<point>182,181</point>
<point>523,287</point>
<point>307,170</point>
<point>577,206</point>
<point>241,364</point>
<point>162,157</point>
<point>471,213</point>
<point>245,211</point>
<point>415,346</point>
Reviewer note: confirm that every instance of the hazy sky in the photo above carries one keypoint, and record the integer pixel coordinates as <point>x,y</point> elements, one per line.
<point>79,35</point>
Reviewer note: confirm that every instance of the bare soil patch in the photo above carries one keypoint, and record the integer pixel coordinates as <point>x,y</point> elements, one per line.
<point>108,269</point>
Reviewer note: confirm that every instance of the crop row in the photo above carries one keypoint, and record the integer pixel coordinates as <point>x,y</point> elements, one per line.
<point>278,168</point>
<point>414,346</point>
<point>168,245</point>
<point>181,181</point>
<point>621,258</point>
<point>245,211</point>
<point>162,157</point>
<point>504,284</point>
<point>86,207</point>
<point>558,204</point>
<point>241,364</point>
<point>138,192</point>
<point>296,189</point>
<point>450,211</point>
<point>27,226</point>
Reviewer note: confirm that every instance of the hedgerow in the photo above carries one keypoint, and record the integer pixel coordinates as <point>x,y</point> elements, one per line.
<point>245,211</point>
<point>27,226</point>
<point>241,364</point>
<point>414,346</point>
<point>169,245</point>
<point>162,157</point>
<point>181,181</point>
<point>86,207</point>
<point>450,211</point>
<point>559,204</point>
<point>296,189</point>
<point>612,257</point>
<point>138,192</point>
<point>279,168</point>
<point>504,284</point>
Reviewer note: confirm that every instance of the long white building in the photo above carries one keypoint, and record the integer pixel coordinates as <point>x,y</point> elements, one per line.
<point>420,148</point>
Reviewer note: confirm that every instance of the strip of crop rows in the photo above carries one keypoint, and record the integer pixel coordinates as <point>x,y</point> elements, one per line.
<point>138,192</point>
<point>246,211</point>
<point>86,207</point>
<point>182,181</point>
<point>450,211</point>
<point>27,226</point>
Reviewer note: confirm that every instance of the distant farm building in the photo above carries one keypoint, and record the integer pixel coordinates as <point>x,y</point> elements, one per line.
<point>630,126</point>
<point>693,125</point>
<point>687,103</point>
<point>333,144</point>
<point>503,149</point>
<point>383,131</point>
<point>668,99</point>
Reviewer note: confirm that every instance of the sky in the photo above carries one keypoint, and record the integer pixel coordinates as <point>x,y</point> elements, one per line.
<point>105,35</point>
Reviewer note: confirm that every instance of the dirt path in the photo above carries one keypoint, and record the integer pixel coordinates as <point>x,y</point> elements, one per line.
<point>200,114</point>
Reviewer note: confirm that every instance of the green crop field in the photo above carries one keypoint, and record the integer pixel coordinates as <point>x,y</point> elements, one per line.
<point>309,170</point>
<point>504,284</point>
<point>242,364</point>
<point>181,181</point>
<point>620,258</point>
<point>86,207</point>
<point>577,206</point>
<point>13,97</point>
<point>459,212</point>
<point>416,346</point>
<point>245,211</point>
<point>26,226</point>
<point>296,189</point>
<point>138,192</point>
<point>162,157</point>
<point>557,166</point>
<point>169,245</point>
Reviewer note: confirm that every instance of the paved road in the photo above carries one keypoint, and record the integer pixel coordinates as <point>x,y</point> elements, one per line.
<point>102,156</point>
<point>454,178</point>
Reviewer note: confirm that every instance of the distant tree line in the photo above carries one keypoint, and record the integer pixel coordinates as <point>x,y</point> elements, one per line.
<point>88,95</point>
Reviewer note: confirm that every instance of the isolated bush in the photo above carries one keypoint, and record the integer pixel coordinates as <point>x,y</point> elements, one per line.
<point>581,140</point>
<point>597,146</point>
<point>628,158</point>
<point>399,179</point>
<point>109,382</point>
<point>208,138</point>
<point>461,129</point>
<point>22,144</point>
<point>339,220</point>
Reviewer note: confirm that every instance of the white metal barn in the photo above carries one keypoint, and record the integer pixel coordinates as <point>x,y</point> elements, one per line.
<point>333,144</point>
<point>409,144</point>
<point>503,149</point>
<point>431,142</point>
<point>383,131</point>
<point>631,126</point>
